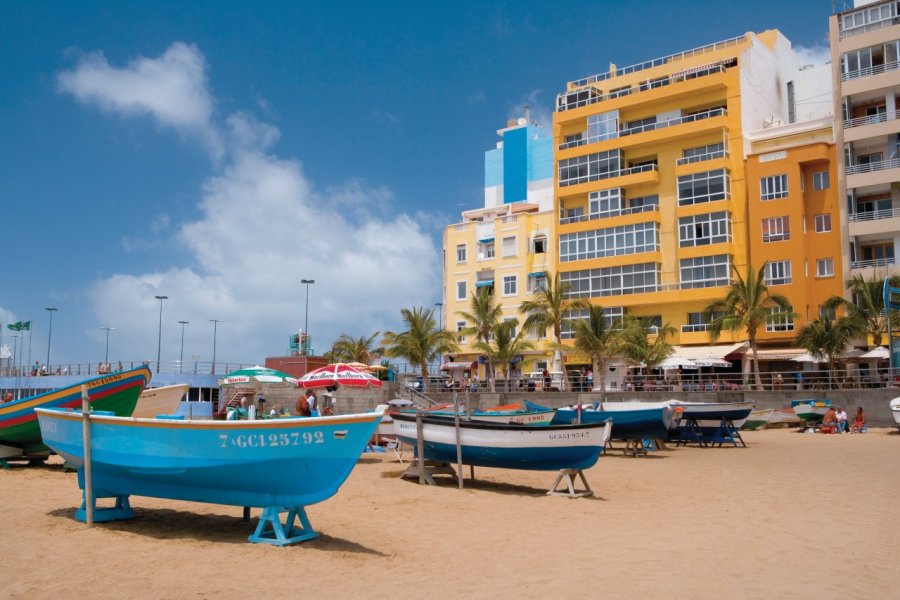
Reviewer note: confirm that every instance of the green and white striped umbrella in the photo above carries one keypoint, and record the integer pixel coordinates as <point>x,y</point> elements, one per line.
<point>252,376</point>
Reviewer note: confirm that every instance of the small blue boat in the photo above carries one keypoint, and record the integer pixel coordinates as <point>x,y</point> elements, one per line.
<point>507,446</point>
<point>630,420</point>
<point>280,465</point>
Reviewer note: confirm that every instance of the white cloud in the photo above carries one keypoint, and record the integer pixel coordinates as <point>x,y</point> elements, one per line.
<point>263,226</point>
<point>539,113</point>
<point>815,55</point>
<point>172,89</point>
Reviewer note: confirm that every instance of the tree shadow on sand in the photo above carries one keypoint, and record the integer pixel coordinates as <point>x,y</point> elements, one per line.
<point>166,524</point>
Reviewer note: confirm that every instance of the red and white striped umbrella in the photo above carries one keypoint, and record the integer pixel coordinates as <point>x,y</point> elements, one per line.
<point>338,374</point>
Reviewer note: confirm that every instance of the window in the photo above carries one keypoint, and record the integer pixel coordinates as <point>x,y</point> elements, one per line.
<point>820,181</point>
<point>702,230</point>
<point>611,281</point>
<point>823,223</point>
<point>512,331</point>
<point>540,244</point>
<point>510,285</point>
<point>509,246</point>
<point>856,64</point>
<point>701,153</point>
<point>827,312</point>
<point>604,126</point>
<point>488,250</point>
<point>461,253</point>
<point>705,271</point>
<point>613,241</point>
<point>655,322</point>
<point>774,187</point>
<point>639,125</point>
<point>591,167</point>
<point>460,325</point>
<point>704,187</point>
<point>778,273</point>
<point>779,319</point>
<point>699,321</point>
<point>605,203</point>
<point>776,229</point>
<point>537,282</point>
<point>461,290</point>
<point>824,267</point>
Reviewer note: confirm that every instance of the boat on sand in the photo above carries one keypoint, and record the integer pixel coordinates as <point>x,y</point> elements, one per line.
<point>159,401</point>
<point>895,410</point>
<point>758,419</point>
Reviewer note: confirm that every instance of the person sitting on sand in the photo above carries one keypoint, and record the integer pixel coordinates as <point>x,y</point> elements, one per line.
<point>841,416</point>
<point>859,420</point>
<point>830,420</point>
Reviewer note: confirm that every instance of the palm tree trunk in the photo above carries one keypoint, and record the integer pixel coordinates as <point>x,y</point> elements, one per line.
<point>599,371</point>
<point>759,384</point>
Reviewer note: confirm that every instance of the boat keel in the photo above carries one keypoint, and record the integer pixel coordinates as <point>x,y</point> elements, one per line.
<point>272,531</point>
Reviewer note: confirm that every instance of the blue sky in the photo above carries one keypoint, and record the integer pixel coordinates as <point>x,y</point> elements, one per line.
<point>218,153</point>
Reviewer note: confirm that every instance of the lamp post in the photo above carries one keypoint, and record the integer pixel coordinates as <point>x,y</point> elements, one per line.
<point>307,283</point>
<point>440,307</point>
<point>51,310</point>
<point>159,340</point>
<point>215,323</point>
<point>106,354</point>
<point>181,356</point>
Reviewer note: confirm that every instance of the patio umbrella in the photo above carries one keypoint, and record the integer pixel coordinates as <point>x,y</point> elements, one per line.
<point>676,362</point>
<point>338,374</point>
<point>712,362</point>
<point>879,353</point>
<point>256,376</point>
<point>806,357</point>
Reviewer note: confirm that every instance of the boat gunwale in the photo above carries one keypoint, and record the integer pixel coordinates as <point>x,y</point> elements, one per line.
<point>471,424</point>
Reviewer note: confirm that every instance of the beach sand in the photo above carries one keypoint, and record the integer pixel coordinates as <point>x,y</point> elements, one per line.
<point>791,516</point>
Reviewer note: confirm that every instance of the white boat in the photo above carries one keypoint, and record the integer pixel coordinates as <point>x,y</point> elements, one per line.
<point>895,410</point>
<point>785,416</point>
<point>759,419</point>
<point>159,401</point>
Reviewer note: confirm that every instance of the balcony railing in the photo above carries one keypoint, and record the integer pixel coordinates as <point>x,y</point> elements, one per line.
<point>869,120</point>
<point>687,160</point>
<point>562,105</point>
<point>609,214</point>
<point>872,264</point>
<point>695,328</point>
<point>891,163</point>
<point>874,215</point>
<point>610,174</point>
<point>709,114</point>
<point>869,71</point>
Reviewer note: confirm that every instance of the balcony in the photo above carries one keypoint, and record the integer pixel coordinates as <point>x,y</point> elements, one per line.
<point>645,168</point>
<point>872,264</point>
<point>869,71</point>
<point>695,328</point>
<point>873,167</point>
<point>874,215</point>
<point>609,214</point>
<point>688,160</point>
<point>716,112</point>
<point>868,20</point>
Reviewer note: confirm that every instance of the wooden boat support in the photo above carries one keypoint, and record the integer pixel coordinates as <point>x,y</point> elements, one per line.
<point>567,476</point>
<point>425,471</point>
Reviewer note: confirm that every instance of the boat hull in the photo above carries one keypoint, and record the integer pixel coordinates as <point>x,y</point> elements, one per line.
<point>159,401</point>
<point>549,448</point>
<point>116,392</point>
<point>529,418</point>
<point>895,410</point>
<point>627,423</point>
<point>758,419</point>
<point>811,411</point>
<point>263,463</point>
<point>709,415</point>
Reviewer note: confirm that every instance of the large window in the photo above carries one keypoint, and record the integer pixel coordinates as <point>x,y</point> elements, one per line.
<point>704,187</point>
<point>774,187</point>
<point>510,285</point>
<point>705,271</point>
<point>591,167</point>
<point>604,126</point>
<point>824,267</point>
<point>776,229</point>
<point>701,230</point>
<point>461,290</point>
<point>778,272</point>
<point>613,241</point>
<point>612,281</point>
<point>820,181</point>
<point>779,319</point>
<point>461,253</point>
<point>605,203</point>
<point>823,223</point>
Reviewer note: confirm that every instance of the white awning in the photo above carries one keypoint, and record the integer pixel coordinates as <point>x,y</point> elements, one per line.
<point>699,353</point>
<point>766,354</point>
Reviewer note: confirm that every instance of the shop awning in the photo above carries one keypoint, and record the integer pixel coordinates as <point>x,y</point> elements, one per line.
<point>769,354</point>
<point>458,366</point>
<point>486,240</point>
<point>484,283</point>
<point>537,274</point>
<point>699,353</point>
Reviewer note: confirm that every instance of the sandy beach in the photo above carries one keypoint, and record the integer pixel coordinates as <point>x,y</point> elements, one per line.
<point>791,516</point>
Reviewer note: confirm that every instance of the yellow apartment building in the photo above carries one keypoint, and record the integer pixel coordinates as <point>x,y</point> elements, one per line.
<point>508,245</point>
<point>651,181</point>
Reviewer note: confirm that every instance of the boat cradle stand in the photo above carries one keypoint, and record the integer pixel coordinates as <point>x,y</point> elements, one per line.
<point>121,511</point>
<point>430,468</point>
<point>726,432</point>
<point>272,531</point>
<point>567,476</point>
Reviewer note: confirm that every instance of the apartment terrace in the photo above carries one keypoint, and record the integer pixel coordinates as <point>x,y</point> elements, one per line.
<point>626,131</point>
<point>868,18</point>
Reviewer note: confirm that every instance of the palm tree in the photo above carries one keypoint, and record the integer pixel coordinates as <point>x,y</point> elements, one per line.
<point>747,305</point>
<point>483,315</point>
<point>350,349</point>
<point>423,342</point>
<point>598,340</point>
<point>548,308</point>
<point>635,341</point>
<point>505,347</point>
<point>866,306</point>
<point>826,337</point>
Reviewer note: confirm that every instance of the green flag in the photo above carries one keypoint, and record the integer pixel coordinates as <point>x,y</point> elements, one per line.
<point>14,327</point>
<point>26,325</point>
<point>20,326</point>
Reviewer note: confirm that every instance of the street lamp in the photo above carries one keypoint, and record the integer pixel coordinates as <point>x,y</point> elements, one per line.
<point>159,341</point>
<point>106,354</point>
<point>215,323</point>
<point>51,310</point>
<point>307,283</point>
<point>440,307</point>
<point>181,356</point>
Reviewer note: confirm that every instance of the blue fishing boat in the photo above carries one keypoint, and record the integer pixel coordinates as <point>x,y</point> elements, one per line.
<point>518,414</point>
<point>630,420</point>
<point>280,465</point>
<point>507,446</point>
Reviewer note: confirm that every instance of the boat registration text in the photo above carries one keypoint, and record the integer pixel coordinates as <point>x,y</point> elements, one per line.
<point>270,440</point>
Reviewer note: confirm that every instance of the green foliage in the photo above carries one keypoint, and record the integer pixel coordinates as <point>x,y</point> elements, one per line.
<point>505,347</point>
<point>640,342</point>
<point>362,349</point>
<point>867,305</point>
<point>422,343</point>
<point>597,340</point>
<point>827,337</point>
